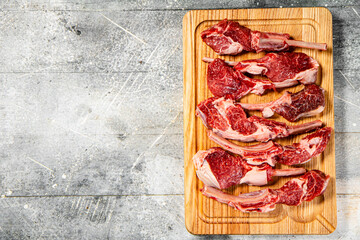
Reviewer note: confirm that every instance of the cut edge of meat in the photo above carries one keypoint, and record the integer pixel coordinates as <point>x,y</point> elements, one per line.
<point>203,170</point>
<point>308,76</point>
<point>308,147</point>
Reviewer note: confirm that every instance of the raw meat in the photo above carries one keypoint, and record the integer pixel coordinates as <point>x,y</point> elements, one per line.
<point>230,38</point>
<point>283,69</point>
<point>223,80</point>
<point>217,168</point>
<point>310,146</point>
<point>292,106</point>
<point>255,154</point>
<point>293,193</point>
<point>228,119</point>
<point>271,152</point>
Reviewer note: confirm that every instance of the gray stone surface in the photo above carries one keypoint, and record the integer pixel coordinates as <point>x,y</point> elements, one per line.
<point>91,138</point>
<point>164,5</point>
<point>129,217</point>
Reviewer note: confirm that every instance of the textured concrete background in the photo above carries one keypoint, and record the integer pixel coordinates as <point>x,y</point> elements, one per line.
<point>91,117</point>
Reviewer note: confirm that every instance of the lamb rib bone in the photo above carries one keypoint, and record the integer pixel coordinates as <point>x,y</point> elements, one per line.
<point>305,188</point>
<point>218,168</point>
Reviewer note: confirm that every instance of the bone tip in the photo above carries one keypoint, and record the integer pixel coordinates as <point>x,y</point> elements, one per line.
<point>324,47</point>
<point>207,59</point>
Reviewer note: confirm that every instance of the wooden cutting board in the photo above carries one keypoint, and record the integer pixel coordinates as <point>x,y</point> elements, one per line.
<point>207,216</point>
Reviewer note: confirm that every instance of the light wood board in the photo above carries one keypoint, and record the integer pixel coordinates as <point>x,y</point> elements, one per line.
<point>206,216</point>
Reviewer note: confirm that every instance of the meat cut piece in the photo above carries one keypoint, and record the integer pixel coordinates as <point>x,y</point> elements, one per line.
<point>223,80</point>
<point>286,68</point>
<point>271,152</point>
<point>305,188</point>
<point>283,69</point>
<point>218,168</point>
<point>292,106</point>
<point>255,154</point>
<point>230,38</point>
<point>310,146</point>
<point>227,118</point>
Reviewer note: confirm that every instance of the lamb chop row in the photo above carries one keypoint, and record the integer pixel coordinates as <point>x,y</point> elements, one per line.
<point>283,69</point>
<point>217,168</point>
<point>293,193</point>
<point>271,152</point>
<point>228,119</point>
<point>230,38</point>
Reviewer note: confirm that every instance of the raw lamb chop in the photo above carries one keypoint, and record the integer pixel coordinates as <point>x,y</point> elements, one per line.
<point>227,119</point>
<point>283,69</point>
<point>223,80</point>
<point>230,38</point>
<point>293,193</point>
<point>255,154</point>
<point>271,152</point>
<point>292,106</point>
<point>217,168</point>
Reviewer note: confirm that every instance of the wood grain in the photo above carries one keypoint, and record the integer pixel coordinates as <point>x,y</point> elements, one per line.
<point>206,216</point>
